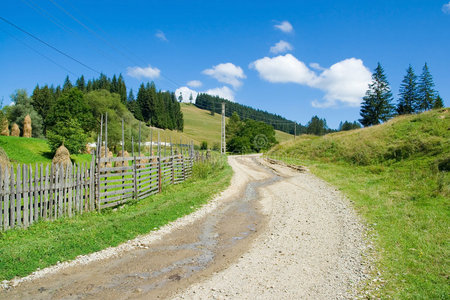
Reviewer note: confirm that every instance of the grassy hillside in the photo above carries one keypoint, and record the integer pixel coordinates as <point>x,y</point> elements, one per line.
<point>201,126</point>
<point>397,176</point>
<point>31,150</point>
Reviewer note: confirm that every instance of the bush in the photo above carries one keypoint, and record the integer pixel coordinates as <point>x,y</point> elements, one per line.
<point>204,145</point>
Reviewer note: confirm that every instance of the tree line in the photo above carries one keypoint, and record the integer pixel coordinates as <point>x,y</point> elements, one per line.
<point>71,113</point>
<point>156,108</point>
<point>214,105</point>
<point>416,94</point>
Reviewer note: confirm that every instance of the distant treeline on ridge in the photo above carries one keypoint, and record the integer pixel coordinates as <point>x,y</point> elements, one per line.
<point>214,104</point>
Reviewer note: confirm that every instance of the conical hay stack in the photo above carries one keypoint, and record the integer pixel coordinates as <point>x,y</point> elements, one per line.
<point>122,163</point>
<point>62,156</point>
<point>102,155</point>
<point>87,150</point>
<point>15,131</point>
<point>4,160</point>
<point>5,127</point>
<point>27,126</point>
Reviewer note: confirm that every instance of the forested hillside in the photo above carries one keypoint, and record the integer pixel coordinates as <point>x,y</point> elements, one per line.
<point>214,104</point>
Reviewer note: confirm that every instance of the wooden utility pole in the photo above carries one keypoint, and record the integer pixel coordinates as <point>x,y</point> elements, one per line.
<point>223,146</point>
<point>295,130</point>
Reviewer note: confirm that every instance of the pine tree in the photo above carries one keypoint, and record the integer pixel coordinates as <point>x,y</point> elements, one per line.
<point>438,102</point>
<point>426,91</point>
<point>409,98</point>
<point>67,84</point>
<point>190,98</point>
<point>81,85</point>
<point>376,106</point>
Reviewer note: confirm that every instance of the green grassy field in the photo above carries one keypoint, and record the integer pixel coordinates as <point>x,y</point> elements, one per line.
<point>397,176</point>
<point>201,126</point>
<point>31,150</point>
<point>46,243</point>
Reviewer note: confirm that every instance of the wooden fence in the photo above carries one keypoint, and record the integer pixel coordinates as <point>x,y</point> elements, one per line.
<point>31,193</point>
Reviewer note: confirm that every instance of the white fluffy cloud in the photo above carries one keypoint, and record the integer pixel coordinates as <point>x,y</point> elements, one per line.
<point>227,73</point>
<point>148,72</point>
<point>160,35</point>
<point>281,47</point>
<point>194,83</point>
<point>222,92</point>
<point>345,81</point>
<point>284,26</point>
<point>446,8</point>
<point>282,69</point>
<point>186,93</point>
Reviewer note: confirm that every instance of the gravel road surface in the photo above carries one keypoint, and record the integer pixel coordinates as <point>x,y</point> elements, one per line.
<point>275,233</point>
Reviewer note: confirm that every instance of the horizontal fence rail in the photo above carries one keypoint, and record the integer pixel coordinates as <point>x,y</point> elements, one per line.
<point>31,193</point>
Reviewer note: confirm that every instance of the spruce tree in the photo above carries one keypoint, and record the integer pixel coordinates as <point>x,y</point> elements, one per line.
<point>81,85</point>
<point>376,106</point>
<point>426,92</point>
<point>67,84</point>
<point>409,98</point>
<point>438,102</point>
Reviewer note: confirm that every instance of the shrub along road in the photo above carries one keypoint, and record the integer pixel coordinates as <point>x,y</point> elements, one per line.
<point>274,233</point>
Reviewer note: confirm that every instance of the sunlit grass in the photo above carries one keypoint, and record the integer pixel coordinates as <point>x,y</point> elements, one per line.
<point>394,174</point>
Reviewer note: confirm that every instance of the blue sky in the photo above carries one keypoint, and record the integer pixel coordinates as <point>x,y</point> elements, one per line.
<point>293,58</point>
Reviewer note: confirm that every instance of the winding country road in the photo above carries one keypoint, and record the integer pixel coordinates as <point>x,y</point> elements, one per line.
<point>275,233</point>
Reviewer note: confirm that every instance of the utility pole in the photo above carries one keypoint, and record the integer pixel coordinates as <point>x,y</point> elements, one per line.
<point>295,130</point>
<point>223,147</point>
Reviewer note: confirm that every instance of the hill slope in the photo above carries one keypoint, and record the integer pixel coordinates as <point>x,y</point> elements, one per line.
<point>201,126</point>
<point>397,176</point>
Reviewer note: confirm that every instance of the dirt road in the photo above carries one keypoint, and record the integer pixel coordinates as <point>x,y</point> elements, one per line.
<point>274,233</point>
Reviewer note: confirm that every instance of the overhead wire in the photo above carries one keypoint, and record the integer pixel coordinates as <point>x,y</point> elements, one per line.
<point>41,54</point>
<point>110,44</point>
<point>48,45</point>
<point>67,29</point>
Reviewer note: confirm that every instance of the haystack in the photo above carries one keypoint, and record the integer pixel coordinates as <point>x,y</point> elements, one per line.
<point>62,156</point>
<point>4,160</point>
<point>5,127</point>
<point>87,150</point>
<point>124,163</point>
<point>15,131</point>
<point>102,155</point>
<point>27,126</point>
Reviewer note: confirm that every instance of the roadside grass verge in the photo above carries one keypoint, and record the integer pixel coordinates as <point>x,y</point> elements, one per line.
<point>404,197</point>
<point>46,243</point>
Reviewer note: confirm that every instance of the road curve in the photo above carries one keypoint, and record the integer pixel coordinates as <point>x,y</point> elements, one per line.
<point>274,233</point>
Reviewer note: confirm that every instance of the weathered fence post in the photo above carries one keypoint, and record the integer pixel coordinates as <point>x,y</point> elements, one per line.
<point>18,197</point>
<point>135,178</point>
<point>7,200</point>
<point>25,195</point>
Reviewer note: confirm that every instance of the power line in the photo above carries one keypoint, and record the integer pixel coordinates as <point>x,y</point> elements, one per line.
<point>48,45</point>
<point>110,44</point>
<point>67,29</point>
<point>41,54</point>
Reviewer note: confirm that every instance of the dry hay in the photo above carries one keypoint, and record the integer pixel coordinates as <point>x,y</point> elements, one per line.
<point>62,156</point>
<point>27,126</point>
<point>87,150</point>
<point>122,163</point>
<point>4,160</point>
<point>5,127</point>
<point>15,131</point>
<point>102,155</point>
